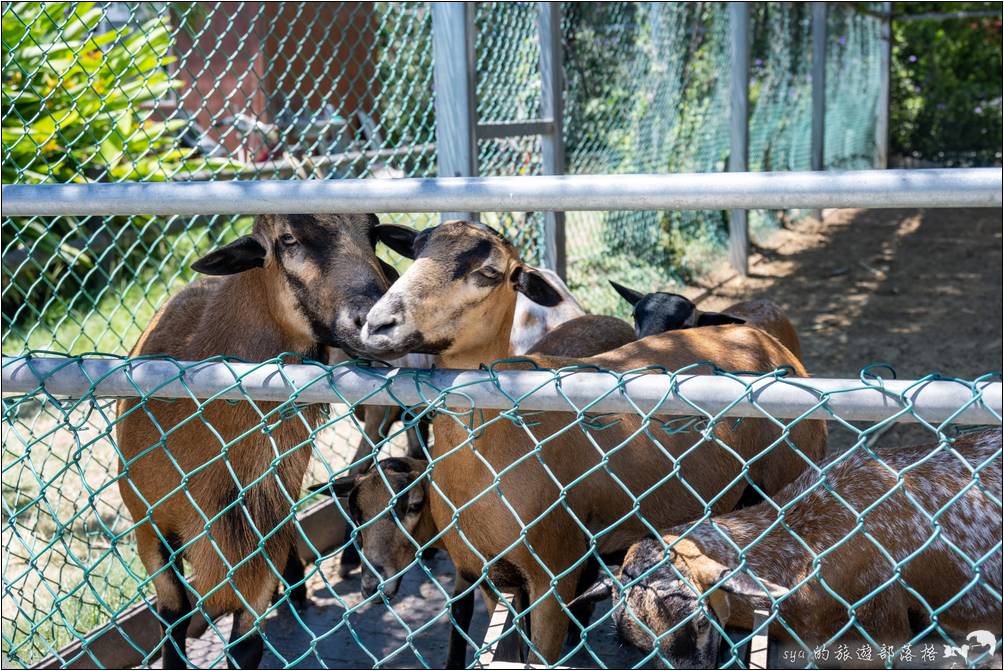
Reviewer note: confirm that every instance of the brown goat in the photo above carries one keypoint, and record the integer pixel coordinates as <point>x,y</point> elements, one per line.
<point>456,301</point>
<point>586,336</point>
<point>389,543</point>
<point>392,531</point>
<point>929,494</point>
<point>214,483</point>
<point>768,316</point>
<point>530,322</point>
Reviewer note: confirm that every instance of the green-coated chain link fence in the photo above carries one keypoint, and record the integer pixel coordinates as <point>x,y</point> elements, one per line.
<point>187,91</point>
<point>294,90</point>
<point>214,91</point>
<point>77,494</point>
<point>663,106</point>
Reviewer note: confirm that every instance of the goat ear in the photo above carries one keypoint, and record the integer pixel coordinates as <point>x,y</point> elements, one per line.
<point>337,487</point>
<point>532,284</point>
<point>242,254</point>
<point>389,270</point>
<point>741,584</point>
<point>717,319</point>
<point>630,295</point>
<point>399,238</point>
<point>600,590</point>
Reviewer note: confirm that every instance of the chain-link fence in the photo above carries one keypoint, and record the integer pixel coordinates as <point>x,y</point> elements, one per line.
<point>140,507</point>
<point>204,91</point>
<point>664,107</point>
<point>78,486</point>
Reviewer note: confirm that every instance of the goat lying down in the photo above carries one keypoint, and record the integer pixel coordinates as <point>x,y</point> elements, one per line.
<point>688,598</point>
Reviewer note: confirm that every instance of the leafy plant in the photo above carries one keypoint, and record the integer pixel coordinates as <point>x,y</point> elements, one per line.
<point>80,105</point>
<point>946,84</point>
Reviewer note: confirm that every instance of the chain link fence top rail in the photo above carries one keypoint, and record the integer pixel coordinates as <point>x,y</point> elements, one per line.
<point>192,91</point>
<point>72,574</point>
<point>215,91</point>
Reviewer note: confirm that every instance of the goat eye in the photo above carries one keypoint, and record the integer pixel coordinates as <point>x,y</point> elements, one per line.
<point>489,273</point>
<point>287,239</point>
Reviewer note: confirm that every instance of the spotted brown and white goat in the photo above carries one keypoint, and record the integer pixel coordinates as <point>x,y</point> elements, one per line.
<point>886,542</point>
<point>214,483</point>
<point>498,507</point>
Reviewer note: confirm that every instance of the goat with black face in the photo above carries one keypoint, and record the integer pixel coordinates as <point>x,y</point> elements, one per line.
<point>659,312</point>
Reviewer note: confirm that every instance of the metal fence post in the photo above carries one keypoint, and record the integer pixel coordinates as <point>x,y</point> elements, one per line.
<point>453,72</point>
<point>739,20</point>
<point>553,143</point>
<point>818,89</point>
<point>885,62</point>
<point>818,83</point>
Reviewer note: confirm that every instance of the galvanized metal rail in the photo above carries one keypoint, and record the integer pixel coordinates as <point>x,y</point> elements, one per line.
<point>685,395</point>
<point>962,187</point>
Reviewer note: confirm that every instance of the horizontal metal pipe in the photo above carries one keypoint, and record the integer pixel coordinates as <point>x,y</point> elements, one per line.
<point>505,129</point>
<point>684,395</point>
<point>962,187</point>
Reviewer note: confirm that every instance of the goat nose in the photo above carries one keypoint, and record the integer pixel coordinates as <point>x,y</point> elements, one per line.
<point>382,323</point>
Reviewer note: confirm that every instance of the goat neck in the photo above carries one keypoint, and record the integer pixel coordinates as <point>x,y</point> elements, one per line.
<point>244,318</point>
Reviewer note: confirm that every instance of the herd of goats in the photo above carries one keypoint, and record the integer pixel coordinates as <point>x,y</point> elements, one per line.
<point>544,508</point>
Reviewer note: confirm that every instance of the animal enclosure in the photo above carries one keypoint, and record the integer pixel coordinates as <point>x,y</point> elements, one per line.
<point>259,109</point>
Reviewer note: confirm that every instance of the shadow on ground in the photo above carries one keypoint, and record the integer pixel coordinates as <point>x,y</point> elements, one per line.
<point>917,290</point>
<point>411,631</point>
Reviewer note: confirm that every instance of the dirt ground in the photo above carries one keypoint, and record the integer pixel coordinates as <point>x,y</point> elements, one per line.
<point>919,290</point>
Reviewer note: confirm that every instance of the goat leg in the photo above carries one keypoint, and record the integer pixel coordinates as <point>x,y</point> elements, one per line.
<point>461,612</point>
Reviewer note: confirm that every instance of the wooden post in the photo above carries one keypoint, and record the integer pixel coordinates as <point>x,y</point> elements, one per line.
<point>739,19</point>
<point>552,143</point>
<point>760,643</point>
<point>453,73</point>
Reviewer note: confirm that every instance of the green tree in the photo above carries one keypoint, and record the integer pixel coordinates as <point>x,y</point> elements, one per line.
<point>946,84</point>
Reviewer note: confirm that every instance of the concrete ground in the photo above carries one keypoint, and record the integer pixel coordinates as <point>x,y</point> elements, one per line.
<point>410,632</point>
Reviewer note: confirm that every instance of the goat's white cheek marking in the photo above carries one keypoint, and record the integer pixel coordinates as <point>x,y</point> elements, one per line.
<point>417,293</point>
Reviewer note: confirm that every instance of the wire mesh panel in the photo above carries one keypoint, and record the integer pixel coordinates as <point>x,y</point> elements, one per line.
<point>136,516</point>
<point>202,91</point>
<point>188,91</point>
<point>662,105</point>
<point>897,517</point>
